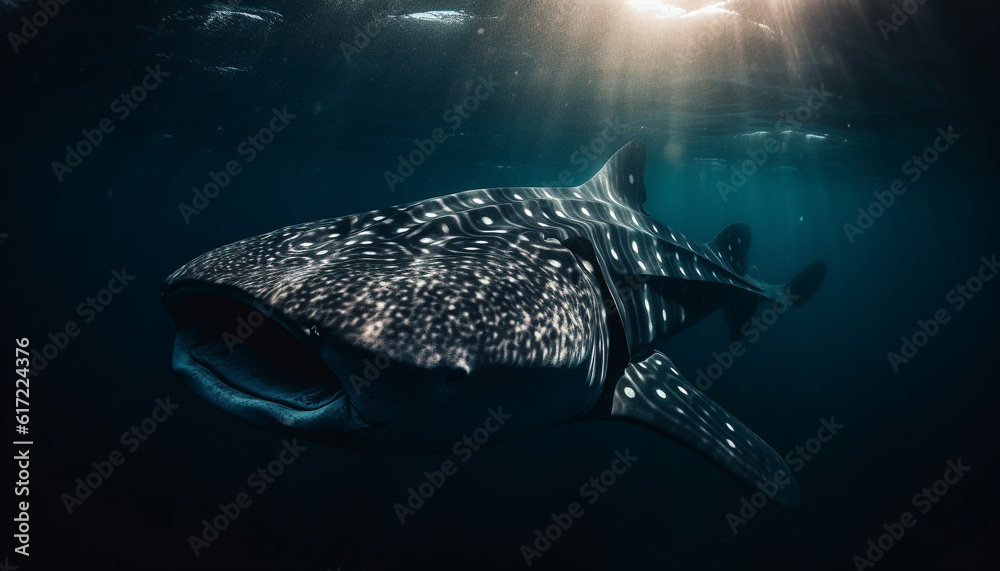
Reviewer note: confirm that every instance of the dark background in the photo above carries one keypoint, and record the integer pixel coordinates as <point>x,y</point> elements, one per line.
<point>563,69</point>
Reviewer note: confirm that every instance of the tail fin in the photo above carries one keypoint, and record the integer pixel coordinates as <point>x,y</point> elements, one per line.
<point>804,285</point>
<point>739,311</point>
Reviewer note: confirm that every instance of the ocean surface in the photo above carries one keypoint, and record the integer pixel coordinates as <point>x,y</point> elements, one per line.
<point>795,117</point>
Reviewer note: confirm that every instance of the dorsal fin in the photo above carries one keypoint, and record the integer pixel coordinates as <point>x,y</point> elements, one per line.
<point>623,178</point>
<point>733,245</point>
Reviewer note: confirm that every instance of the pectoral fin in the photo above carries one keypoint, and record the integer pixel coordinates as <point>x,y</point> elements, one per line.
<point>653,394</point>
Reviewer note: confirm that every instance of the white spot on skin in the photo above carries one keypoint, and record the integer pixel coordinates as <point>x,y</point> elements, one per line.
<point>661,394</point>
<point>730,443</point>
<point>635,247</point>
<point>629,392</point>
<point>682,389</point>
<point>518,196</point>
<point>588,266</point>
<point>614,254</point>
<point>477,200</point>
<point>730,427</point>
<point>528,212</point>
<point>487,220</point>
<point>631,179</point>
<point>555,263</point>
<point>585,212</point>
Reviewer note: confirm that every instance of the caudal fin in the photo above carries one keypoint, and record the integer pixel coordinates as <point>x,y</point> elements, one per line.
<point>740,309</point>
<point>806,283</point>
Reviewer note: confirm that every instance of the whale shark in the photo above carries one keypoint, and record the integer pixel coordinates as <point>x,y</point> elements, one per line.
<point>396,331</point>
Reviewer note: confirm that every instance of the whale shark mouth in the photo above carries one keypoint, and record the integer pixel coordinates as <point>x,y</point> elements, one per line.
<point>246,361</point>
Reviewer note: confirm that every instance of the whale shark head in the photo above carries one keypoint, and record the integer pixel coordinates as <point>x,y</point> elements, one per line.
<point>351,334</point>
<point>397,330</point>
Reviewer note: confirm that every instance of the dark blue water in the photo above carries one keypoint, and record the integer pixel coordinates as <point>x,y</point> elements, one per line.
<point>813,91</point>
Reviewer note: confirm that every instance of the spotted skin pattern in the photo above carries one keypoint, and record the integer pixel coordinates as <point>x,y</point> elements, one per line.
<point>483,287</point>
<point>653,394</point>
